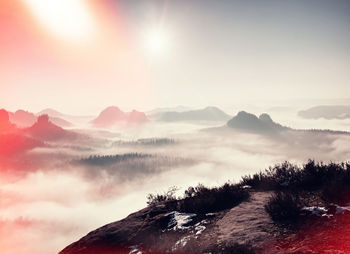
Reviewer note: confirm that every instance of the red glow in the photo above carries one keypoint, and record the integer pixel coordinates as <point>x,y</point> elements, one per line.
<point>34,62</point>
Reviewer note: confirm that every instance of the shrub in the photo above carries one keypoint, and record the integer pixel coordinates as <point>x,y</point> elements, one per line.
<point>284,207</point>
<point>336,192</point>
<point>202,200</point>
<point>310,177</point>
<point>259,181</point>
<point>278,177</point>
<point>153,199</point>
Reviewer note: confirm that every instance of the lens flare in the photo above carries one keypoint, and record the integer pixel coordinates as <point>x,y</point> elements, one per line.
<point>156,41</point>
<point>66,19</point>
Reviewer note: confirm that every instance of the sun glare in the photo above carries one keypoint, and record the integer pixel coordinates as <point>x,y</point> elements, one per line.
<point>156,42</point>
<point>66,19</point>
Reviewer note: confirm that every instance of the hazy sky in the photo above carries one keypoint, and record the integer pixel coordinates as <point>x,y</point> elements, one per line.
<point>82,55</point>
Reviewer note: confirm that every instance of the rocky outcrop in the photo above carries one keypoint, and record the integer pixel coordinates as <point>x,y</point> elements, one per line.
<point>112,116</point>
<point>263,124</point>
<point>157,230</point>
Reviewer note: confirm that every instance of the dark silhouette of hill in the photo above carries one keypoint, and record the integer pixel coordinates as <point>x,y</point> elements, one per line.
<point>44,129</point>
<point>113,115</point>
<point>5,125</point>
<point>206,114</point>
<point>327,112</point>
<point>251,123</point>
<point>12,139</point>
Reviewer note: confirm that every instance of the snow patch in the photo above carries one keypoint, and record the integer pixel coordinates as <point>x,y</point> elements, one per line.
<point>181,243</point>
<point>199,229</point>
<point>134,250</point>
<point>180,220</point>
<point>195,231</point>
<point>316,210</point>
<point>342,209</point>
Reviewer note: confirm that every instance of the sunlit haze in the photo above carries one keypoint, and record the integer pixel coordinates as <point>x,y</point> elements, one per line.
<point>145,54</point>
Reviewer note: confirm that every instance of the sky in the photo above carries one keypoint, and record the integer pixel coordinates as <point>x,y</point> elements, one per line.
<point>79,56</point>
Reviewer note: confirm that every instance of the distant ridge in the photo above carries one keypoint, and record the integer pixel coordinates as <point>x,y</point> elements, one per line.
<point>327,112</point>
<point>113,115</point>
<point>60,122</point>
<point>50,112</point>
<point>206,114</point>
<point>24,119</point>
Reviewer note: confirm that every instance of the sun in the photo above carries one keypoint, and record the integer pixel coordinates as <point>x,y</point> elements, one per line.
<point>66,19</point>
<point>157,42</point>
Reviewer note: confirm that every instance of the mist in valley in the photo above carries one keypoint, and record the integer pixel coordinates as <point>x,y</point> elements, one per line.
<point>56,192</point>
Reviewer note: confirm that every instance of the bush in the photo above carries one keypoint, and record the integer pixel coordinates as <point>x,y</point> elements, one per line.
<point>153,199</point>
<point>278,177</point>
<point>284,207</point>
<point>336,192</point>
<point>310,177</point>
<point>205,200</point>
<point>202,199</point>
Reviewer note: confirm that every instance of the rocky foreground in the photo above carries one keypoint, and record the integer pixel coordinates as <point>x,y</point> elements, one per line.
<point>155,229</point>
<point>246,228</point>
<point>285,209</point>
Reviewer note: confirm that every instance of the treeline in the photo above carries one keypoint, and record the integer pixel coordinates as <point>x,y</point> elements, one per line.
<point>148,142</point>
<point>130,165</point>
<point>101,160</point>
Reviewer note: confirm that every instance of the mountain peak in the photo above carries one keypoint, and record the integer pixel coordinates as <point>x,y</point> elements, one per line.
<point>266,118</point>
<point>43,119</point>
<point>136,116</point>
<point>44,129</point>
<point>251,123</point>
<point>112,109</point>
<point>23,118</point>
<point>113,115</point>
